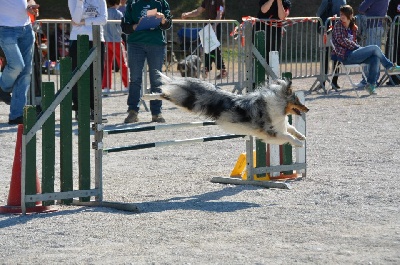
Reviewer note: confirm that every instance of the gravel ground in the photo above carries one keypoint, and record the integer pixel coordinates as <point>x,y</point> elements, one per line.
<point>346,211</point>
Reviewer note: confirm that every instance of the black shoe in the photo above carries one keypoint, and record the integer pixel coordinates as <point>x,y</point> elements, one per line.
<point>335,86</point>
<point>5,97</point>
<point>19,120</point>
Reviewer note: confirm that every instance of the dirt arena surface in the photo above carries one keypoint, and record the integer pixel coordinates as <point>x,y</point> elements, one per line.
<point>346,211</point>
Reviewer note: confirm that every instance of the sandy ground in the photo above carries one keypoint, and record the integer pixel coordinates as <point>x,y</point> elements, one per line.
<point>346,211</point>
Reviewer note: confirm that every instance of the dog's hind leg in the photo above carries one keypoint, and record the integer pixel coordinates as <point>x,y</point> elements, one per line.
<point>292,130</point>
<point>154,96</point>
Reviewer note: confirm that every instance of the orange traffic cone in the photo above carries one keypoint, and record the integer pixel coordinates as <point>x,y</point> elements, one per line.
<point>14,195</point>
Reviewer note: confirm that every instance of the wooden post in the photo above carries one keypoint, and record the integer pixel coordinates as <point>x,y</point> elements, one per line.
<point>84,117</point>
<point>66,164</point>
<point>48,143</point>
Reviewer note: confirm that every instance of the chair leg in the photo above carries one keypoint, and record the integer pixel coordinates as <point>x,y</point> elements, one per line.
<point>383,79</point>
<point>353,86</point>
<point>386,77</point>
<point>391,80</point>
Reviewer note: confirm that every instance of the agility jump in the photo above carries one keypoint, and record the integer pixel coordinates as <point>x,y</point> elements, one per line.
<point>46,121</point>
<point>263,162</point>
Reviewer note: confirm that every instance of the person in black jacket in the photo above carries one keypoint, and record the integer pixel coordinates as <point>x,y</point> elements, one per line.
<point>277,10</point>
<point>393,11</point>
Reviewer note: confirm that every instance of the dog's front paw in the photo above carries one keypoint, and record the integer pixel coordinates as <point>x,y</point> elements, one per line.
<point>300,136</point>
<point>297,143</point>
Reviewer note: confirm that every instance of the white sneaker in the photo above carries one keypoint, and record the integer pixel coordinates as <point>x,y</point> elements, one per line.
<point>360,85</point>
<point>106,92</point>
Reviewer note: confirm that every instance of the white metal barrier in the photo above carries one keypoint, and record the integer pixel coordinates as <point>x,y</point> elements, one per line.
<point>300,41</point>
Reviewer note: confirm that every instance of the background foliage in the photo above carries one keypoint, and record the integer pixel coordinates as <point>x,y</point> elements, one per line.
<point>234,9</point>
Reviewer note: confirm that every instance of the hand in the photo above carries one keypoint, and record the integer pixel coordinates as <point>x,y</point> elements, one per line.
<point>33,9</point>
<point>184,15</point>
<point>162,16</point>
<point>81,23</point>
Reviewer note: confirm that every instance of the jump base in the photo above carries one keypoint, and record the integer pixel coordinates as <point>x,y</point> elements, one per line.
<point>238,181</point>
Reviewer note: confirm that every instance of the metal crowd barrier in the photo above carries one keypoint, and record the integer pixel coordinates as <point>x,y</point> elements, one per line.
<point>184,41</point>
<point>392,42</point>
<point>298,41</point>
<point>302,44</point>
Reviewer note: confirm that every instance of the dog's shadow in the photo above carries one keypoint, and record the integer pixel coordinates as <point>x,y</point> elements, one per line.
<point>333,95</point>
<point>209,202</point>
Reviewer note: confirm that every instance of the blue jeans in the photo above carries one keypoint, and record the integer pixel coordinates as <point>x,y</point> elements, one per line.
<point>137,54</point>
<point>371,55</point>
<point>17,44</point>
<point>374,37</point>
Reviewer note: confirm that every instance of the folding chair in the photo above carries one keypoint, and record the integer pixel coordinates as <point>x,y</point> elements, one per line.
<point>346,68</point>
<point>388,76</point>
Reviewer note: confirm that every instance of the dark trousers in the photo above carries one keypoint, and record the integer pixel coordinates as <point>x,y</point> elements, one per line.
<point>335,77</point>
<point>215,55</point>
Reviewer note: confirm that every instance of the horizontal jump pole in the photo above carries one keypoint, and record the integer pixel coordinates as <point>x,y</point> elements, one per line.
<point>159,127</point>
<point>173,142</point>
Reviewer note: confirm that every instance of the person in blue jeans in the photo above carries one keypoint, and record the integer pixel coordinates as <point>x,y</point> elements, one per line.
<point>146,44</point>
<point>348,51</point>
<point>16,40</point>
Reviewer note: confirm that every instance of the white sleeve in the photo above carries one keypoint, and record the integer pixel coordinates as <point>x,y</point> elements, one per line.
<point>76,10</point>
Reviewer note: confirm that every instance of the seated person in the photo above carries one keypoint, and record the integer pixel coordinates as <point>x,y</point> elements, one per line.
<point>348,51</point>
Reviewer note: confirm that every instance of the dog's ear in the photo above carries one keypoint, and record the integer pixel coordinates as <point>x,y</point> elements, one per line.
<point>287,86</point>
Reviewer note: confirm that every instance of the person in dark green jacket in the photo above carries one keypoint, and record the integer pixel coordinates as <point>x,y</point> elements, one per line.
<point>145,43</point>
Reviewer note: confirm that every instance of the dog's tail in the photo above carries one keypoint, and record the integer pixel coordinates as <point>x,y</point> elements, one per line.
<point>194,95</point>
